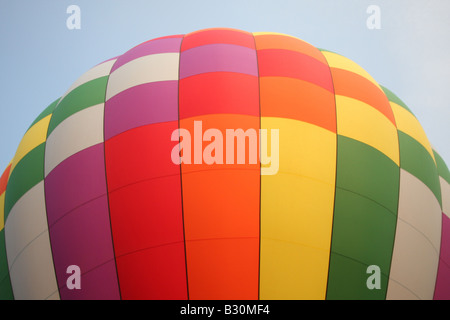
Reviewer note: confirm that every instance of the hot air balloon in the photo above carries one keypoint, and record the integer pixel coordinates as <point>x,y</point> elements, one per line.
<point>356,207</point>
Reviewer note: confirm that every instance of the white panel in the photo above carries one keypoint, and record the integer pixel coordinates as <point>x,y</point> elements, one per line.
<point>445,191</point>
<point>33,274</point>
<point>398,292</point>
<point>26,221</point>
<point>54,296</point>
<point>77,132</point>
<point>419,207</point>
<point>26,235</point>
<point>98,71</point>
<point>414,265</point>
<point>150,68</point>
<point>417,241</point>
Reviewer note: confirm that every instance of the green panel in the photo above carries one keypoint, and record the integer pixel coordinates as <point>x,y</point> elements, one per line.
<point>46,112</point>
<point>349,281</point>
<point>392,97</point>
<point>363,235</point>
<point>365,170</point>
<point>86,95</point>
<point>442,167</point>
<point>27,173</point>
<point>6,292</point>
<point>415,159</point>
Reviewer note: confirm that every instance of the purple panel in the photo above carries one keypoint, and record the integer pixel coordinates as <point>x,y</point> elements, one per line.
<point>150,47</point>
<point>76,180</point>
<point>79,224</point>
<point>442,290</point>
<point>83,238</point>
<point>218,57</point>
<point>90,288</point>
<point>141,105</point>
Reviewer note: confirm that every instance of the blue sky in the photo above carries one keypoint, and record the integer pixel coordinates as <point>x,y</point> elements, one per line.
<point>40,57</point>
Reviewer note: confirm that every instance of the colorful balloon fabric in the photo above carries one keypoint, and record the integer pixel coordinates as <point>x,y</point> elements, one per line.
<point>357,187</point>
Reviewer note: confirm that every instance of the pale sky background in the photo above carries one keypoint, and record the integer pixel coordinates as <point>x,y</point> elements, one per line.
<point>40,57</point>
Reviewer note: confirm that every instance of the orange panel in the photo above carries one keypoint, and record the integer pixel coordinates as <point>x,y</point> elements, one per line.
<point>351,85</point>
<point>297,99</point>
<point>221,218</point>
<point>278,41</point>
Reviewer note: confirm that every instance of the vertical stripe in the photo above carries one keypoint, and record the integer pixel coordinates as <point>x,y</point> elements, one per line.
<point>143,184</point>
<point>415,256</point>
<point>220,201</point>
<point>364,220</point>
<point>3,183</point>
<point>6,292</point>
<point>79,224</point>
<point>28,247</point>
<point>297,202</point>
<point>367,183</point>
<point>442,289</point>
<point>417,241</point>
<point>5,281</point>
<point>76,194</point>
<point>30,260</point>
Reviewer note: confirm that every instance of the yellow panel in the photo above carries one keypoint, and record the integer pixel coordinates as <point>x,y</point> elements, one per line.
<point>36,135</point>
<point>362,122</point>
<point>337,61</point>
<point>408,123</point>
<point>304,147</point>
<point>2,210</point>
<point>297,212</point>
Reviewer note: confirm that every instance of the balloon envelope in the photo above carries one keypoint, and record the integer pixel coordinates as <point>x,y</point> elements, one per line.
<point>296,176</point>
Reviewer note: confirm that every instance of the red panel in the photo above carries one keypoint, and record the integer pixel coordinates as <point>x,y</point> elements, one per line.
<point>292,64</point>
<point>210,36</point>
<point>146,214</point>
<point>139,154</point>
<point>219,92</point>
<point>161,281</point>
<point>148,239</point>
<point>4,179</point>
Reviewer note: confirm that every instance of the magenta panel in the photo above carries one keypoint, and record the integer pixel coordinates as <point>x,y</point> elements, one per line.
<point>90,288</point>
<point>141,105</point>
<point>75,181</point>
<point>79,224</point>
<point>216,58</point>
<point>442,290</point>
